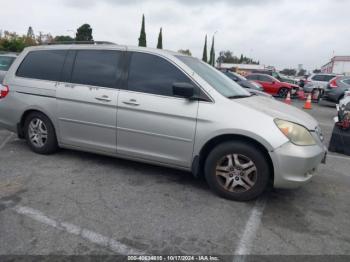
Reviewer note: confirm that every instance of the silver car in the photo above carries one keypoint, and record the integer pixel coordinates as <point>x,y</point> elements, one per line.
<point>317,81</point>
<point>159,107</point>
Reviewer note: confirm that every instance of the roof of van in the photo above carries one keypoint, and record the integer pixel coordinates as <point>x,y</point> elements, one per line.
<point>103,47</point>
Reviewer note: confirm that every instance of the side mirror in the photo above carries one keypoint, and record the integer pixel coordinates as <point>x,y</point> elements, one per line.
<point>273,82</point>
<point>185,90</point>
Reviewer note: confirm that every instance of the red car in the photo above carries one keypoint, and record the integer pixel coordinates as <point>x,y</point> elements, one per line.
<point>273,86</point>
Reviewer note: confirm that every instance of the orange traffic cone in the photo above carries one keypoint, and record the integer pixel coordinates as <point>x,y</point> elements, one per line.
<point>288,100</point>
<point>308,103</point>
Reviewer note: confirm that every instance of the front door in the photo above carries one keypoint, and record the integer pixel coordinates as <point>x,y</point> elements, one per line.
<point>152,123</point>
<point>87,99</point>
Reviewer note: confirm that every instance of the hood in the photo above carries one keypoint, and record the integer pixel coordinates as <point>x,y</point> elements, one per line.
<point>279,110</point>
<point>290,85</point>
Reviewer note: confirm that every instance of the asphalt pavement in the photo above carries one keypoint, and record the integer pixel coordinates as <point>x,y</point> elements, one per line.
<point>74,203</point>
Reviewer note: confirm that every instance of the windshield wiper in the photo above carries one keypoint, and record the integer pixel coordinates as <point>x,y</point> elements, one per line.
<point>238,96</point>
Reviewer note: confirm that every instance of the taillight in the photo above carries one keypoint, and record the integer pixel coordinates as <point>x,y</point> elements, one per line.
<point>4,90</point>
<point>333,83</point>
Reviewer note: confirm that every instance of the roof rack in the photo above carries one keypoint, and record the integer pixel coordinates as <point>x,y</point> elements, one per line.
<point>81,43</point>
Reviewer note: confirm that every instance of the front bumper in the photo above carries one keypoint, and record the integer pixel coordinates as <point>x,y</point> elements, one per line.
<point>295,165</point>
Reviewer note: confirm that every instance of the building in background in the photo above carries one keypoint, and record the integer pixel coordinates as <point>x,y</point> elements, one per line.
<point>338,65</point>
<point>243,69</point>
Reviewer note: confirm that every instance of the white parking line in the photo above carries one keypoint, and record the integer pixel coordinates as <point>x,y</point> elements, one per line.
<point>7,139</point>
<point>245,244</point>
<point>86,234</point>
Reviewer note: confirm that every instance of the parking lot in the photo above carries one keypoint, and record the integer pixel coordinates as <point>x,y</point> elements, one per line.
<point>76,203</point>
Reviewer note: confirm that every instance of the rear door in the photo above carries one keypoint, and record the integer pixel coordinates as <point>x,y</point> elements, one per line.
<point>87,99</point>
<point>153,124</point>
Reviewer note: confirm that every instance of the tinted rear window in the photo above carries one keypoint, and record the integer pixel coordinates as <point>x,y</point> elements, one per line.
<point>97,68</point>
<point>45,65</point>
<point>327,78</point>
<point>324,78</point>
<point>6,62</point>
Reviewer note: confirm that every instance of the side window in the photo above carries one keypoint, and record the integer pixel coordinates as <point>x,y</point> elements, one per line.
<point>252,77</point>
<point>265,78</point>
<point>347,81</point>
<point>154,75</point>
<point>97,68</point>
<point>317,77</point>
<point>43,64</point>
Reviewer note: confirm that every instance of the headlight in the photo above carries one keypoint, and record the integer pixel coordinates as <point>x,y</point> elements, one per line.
<point>297,134</point>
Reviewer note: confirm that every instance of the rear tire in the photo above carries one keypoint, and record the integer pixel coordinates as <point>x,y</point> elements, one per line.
<point>40,134</point>
<point>237,171</point>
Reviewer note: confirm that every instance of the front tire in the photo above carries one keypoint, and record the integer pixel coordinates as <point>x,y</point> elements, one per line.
<point>40,134</point>
<point>237,171</point>
<point>283,92</point>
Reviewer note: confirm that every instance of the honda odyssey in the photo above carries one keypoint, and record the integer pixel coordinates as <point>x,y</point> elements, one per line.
<point>159,107</point>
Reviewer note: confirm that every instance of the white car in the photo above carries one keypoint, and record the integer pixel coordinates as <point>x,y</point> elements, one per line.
<point>345,102</point>
<point>319,81</point>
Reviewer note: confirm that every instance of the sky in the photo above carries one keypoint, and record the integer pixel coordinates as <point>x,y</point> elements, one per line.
<point>281,33</point>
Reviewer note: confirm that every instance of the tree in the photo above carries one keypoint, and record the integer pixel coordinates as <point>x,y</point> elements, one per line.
<point>205,51</point>
<point>212,53</point>
<point>30,38</point>
<point>63,38</point>
<point>185,52</point>
<point>84,33</point>
<point>160,39</point>
<point>302,72</point>
<point>30,33</point>
<point>241,59</point>
<point>142,38</point>
<point>289,72</point>
<point>11,42</point>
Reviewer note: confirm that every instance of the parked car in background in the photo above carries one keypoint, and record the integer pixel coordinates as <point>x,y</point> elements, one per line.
<point>273,86</point>
<point>279,76</point>
<point>251,86</point>
<point>336,89</point>
<point>6,61</point>
<point>317,81</point>
<point>159,107</point>
<point>344,103</point>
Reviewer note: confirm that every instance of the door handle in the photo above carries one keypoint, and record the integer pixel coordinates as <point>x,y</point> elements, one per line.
<point>131,102</point>
<point>103,98</point>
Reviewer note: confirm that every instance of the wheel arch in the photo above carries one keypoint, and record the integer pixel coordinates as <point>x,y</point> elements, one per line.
<point>199,160</point>
<point>26,113</point>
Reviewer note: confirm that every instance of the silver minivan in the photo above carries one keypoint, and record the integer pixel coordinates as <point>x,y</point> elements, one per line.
<point>162,108</point>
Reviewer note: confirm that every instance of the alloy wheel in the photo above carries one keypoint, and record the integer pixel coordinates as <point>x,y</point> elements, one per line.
<point>37,132</point>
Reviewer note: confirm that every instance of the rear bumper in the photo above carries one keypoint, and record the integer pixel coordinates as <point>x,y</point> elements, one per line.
<point>296,165</point>
<point>330,95</point>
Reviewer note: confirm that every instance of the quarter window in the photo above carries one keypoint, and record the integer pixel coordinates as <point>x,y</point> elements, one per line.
<point>154,75</point>
<point>43,64</point>
<point>97,68</point>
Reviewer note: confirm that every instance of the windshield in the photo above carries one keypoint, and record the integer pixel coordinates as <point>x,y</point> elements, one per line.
<point>219,81</point>
<point>6,62</point>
